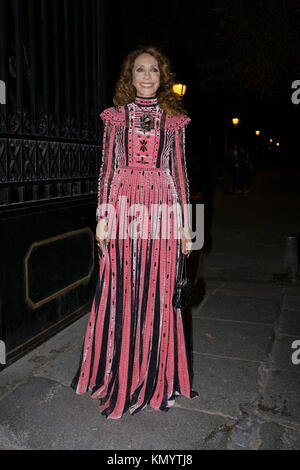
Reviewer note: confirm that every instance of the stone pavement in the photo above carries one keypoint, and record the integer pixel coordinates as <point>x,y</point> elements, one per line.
<point>241,327</point>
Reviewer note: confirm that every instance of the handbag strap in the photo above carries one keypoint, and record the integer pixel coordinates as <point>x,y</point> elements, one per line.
<point>184,262</point>
<point>183,267</point>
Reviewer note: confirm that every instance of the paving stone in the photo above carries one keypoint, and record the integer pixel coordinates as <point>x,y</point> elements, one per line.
<point>232,339</point>
<point>58,347</point>
<point>281,397</point>
<point>43,414</point>
<point>292,289</point>
<point>250,273</point>
<point>241,308</point>
<point>273,436</point>
<point>211,286</point>
<point>225,386</point>
<point>260,290</point>
<point>245,433</point>
<point>289,322</point>
<point>252,286</point>
<point>291,302</point>
<point>234,257</point>
<point>282,353</point>
<point>63,368</point>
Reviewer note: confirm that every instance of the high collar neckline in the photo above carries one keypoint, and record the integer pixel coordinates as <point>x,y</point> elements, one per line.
<point>145,101</point>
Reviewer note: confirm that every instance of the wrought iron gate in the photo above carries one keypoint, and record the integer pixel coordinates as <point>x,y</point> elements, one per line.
<point>52,72</point>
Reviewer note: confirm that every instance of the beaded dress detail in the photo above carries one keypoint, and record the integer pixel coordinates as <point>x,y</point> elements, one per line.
<point>134,352</point>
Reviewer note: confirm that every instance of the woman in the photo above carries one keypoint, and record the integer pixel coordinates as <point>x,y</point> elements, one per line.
<point>134,352</point>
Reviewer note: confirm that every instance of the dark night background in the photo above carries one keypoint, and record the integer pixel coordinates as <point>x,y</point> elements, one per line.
<point>60,60</point>
<point>236,58</point>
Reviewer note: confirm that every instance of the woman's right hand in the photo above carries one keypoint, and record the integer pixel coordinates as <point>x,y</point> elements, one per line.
<point>102,236</point>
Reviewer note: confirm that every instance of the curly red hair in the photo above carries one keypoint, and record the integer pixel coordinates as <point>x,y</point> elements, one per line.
<point>125,91</point>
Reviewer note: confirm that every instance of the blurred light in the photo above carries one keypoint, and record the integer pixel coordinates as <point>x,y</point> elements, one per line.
<point>277,144</point>
<point>235,121</point>
<point>179,89</point>
<point>257,132</point>
<point>271,140</point>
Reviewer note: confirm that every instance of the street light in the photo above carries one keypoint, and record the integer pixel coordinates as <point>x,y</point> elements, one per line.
<point>271,140</point>
<point>277,144</point>
<point>235,121</point>
<point>257,132</point>
<point>179,89</point>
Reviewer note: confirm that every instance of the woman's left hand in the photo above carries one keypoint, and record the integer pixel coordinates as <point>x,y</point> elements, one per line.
<point>186,242</point>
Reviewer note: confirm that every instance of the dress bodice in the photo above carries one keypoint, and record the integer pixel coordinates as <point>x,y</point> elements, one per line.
<point>141,135</point>
<point>145,134</point>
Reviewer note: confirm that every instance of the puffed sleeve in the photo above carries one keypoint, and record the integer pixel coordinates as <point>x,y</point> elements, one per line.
<point>179,168</point>
<point>108,164</point>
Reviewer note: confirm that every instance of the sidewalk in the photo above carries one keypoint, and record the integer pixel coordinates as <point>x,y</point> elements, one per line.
<point>243,324</point>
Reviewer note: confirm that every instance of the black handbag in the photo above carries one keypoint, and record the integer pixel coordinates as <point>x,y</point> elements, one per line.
<point>183,288</point>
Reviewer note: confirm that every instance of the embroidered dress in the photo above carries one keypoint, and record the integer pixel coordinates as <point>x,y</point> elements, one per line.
<point>134,352</point>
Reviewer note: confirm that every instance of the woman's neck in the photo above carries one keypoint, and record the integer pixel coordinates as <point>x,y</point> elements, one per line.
<point>146,100</point>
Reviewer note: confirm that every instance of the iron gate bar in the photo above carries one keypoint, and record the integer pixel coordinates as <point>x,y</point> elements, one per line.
<point>18,12</point>
<point>3,57</point>
<point>94,70</point>
<point>56,67</point>
<point>32,63</point>
<point>76,18</point>
<point>85,69</point>
<point>66,60</point>
<point>45,64</point>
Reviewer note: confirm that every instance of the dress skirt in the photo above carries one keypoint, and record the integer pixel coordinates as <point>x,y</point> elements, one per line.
<point>135,351</point>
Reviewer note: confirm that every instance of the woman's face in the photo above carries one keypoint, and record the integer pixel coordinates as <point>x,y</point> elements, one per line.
<point>145,75</point>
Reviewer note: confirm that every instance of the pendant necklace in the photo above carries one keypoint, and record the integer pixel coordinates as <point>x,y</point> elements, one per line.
<point>146,119</point>
<point>147,122</point>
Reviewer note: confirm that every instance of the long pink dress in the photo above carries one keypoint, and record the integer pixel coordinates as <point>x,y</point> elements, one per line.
<point>134,352</point>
